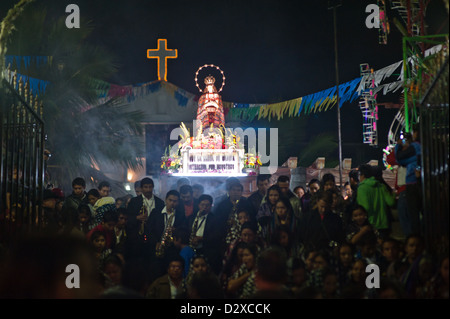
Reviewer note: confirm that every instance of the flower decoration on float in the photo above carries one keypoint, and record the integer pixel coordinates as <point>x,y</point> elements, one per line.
<point>252,163</point>
<point>232,140</point>
<point>170,163</point>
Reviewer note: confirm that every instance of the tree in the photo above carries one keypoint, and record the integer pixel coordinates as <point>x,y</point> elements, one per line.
<point>85,128</point>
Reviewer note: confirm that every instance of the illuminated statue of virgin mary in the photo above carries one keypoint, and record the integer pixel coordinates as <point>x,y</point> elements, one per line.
<point>210,108</point>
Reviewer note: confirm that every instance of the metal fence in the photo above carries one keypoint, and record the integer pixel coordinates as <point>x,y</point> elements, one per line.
<point>434,135</point>
<point>22,160</point>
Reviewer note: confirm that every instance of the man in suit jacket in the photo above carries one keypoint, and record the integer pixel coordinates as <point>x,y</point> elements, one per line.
<point>262,183</point>
<point>204,237</point>
<point>226,223</point>
<point>232,204</point>
<point>137,246</point>
<point>166,219</point>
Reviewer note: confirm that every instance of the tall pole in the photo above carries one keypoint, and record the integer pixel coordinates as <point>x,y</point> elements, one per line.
<point>334,6</point>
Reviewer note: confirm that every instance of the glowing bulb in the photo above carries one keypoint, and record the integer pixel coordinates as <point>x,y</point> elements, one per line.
<point>129,175</point>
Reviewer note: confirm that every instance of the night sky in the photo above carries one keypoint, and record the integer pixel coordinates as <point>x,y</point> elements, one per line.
<point>270,50</point>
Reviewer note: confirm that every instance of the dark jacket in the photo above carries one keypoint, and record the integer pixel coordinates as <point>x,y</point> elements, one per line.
<point>212,241</point>
<point>156,224</point>
<point>160,289</point>
<point>224,208</point>
<point>318,234</point>
<point>133,210</point>
<point>70,206</point>
<point>255,199</point>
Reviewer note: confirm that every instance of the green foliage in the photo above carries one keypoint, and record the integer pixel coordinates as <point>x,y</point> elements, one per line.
<point>7,27</point>
<point>323,145</point>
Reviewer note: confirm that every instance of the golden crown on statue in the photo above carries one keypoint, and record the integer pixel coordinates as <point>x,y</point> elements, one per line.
<point>210,80</point>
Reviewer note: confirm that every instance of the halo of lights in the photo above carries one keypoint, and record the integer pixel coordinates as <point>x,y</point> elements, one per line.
<point>212,66</point>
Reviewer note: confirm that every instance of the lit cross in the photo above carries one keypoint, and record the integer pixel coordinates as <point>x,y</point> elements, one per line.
<point>162,54</point>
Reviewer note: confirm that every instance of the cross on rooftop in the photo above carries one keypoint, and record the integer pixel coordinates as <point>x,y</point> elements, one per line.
<point>162,54</point>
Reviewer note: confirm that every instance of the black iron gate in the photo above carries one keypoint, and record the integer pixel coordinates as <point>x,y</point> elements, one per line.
<point>22,160</point>
<point>434,135</point>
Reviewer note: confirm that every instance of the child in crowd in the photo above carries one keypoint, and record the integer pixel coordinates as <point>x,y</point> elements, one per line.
<point>204,285</point>
<point>330,285</point>
<point>357,280</point>
<point>93,196</point>
<point>84,219</point>
<point>284,238</point>
<point>120,202</point>
<point>322,261</point>
<point>308,257</point>
<point>249,235</point>
<point>113,268</point>
<point>439,283</point>
<point>284,216</point>
<point>297,280</point>
<point>390,251</point>
<point>242,282</point>
<point>110,220</point>
<point>198,264</point>
<point>307,199</point>
<point>98,241</point>
<point>389,289</point>
<point>368,250</point>
<point>426,272</point>
<point>267,210</point>
<point>299,191</point>
<point>345,259</point>
<point>414,253</point>
<point>181,242</point>
<point>347,195</point>
<point>233,263</point>
<point>338,204</point>
<point>243,216</point>
<point>359,226</point>
<point>120,230</point>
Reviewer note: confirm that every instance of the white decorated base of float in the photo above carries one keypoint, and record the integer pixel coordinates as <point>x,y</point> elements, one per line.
<point>211,162</point>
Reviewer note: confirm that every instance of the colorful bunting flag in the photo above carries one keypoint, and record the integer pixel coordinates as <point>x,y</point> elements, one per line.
<point>317,102</point>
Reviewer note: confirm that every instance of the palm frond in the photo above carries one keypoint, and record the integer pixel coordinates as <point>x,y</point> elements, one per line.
<point>322,145</point>
<point>83,130</point>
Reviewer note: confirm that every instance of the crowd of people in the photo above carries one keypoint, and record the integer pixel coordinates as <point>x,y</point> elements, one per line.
<point>306,243</point>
